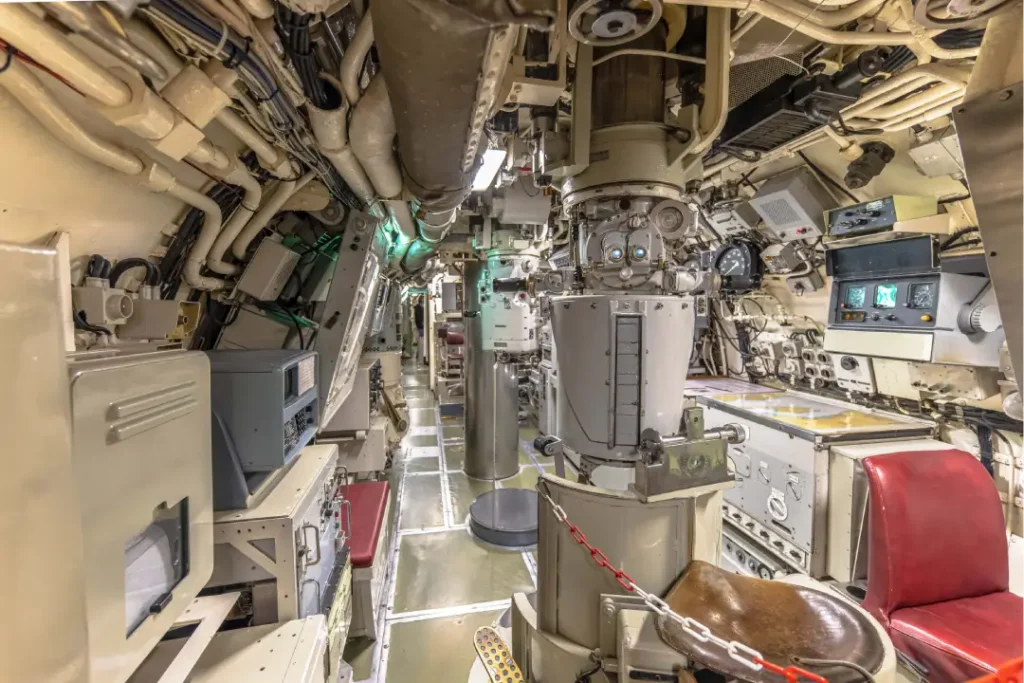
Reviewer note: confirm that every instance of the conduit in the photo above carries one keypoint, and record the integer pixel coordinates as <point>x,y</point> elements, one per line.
<point>239,219</point>
<point>715,109</point>
<point>329,129</point>
<point>355,55</point>
<point>23,85</point>
<point>25,31</point>
<point>269,209</point>
<point>373,139</point>
<point>160,179</point>
<point>268,155</point>
<point>829,18</point>
<point>807,27</point>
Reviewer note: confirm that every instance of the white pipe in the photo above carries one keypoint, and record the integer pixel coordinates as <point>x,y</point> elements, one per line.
<point>403,216</point>
<point>160,179</point>
<point>742,29</point>
<point>355,55</point>
<point>267,211</point>
<point>924,38</point>
<point>25,87</point>
<point>237,126</point>
<point>930,96</point>
<point>150,42</point>
<point>906,82</point>
<point>808,28</point>
<point>373,137</point>
<point>715,109</point>
<point>250,204</point>
<point>931,111</point>
<point>46,45</point>
<point>209,154</point>
<point>329,129</point>
<point>829,18</point>
<point>261,9</point>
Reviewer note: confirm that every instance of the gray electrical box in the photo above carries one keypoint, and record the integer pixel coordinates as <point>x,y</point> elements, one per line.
<point>268,271</point>
<point>265,410</point>
<point>793,205</point>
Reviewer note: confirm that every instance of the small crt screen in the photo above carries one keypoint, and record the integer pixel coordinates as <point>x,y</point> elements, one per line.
<point>885,296</point>
<point>855,297</point>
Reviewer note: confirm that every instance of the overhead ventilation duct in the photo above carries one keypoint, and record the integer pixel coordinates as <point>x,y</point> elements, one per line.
<point>443,64</point>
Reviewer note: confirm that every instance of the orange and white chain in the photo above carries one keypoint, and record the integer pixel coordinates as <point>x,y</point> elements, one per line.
<point>744,654</point>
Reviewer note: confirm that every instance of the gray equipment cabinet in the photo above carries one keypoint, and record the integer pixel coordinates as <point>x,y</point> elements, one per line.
<point>781,498</point>
<point>265,410</point>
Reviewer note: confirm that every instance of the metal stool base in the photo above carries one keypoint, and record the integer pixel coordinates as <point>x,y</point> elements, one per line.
<point>505,517</point>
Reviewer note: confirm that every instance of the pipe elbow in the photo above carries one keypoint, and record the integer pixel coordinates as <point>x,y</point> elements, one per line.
<point>373,138</point>
<point>352,60</point>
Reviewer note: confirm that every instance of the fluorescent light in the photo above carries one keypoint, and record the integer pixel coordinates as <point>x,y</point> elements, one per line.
<point>493,158</point>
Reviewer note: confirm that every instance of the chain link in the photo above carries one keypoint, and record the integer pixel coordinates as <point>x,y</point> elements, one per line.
<point>737,651</point>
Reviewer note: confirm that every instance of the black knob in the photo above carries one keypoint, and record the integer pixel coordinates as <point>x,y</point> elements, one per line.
<point>875,316</point>
<point>890,317</point>
<point>848,363</point>
<point>777,544</point>
<point>764,534</point>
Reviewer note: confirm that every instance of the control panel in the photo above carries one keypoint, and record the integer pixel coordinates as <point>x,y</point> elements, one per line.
<point>759,548</point>
<point>878,215</point>
<point>740,555</point>
<point>908,302</point>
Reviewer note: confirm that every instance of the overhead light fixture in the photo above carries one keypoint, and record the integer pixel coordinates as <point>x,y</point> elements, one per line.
<point>493,158</point>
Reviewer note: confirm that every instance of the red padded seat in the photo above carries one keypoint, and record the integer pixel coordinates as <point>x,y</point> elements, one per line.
<point>967,637</point>
<point>455,339</point>
<point>369,501</point>
<point>938,565</point>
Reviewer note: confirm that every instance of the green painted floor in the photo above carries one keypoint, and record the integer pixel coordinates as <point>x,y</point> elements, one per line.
<point>447,583</point>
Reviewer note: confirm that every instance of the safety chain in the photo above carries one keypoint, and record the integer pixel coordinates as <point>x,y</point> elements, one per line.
<point>745,655</point>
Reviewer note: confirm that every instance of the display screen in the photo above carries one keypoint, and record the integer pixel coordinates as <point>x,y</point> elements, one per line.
<point>855,297</point>
<point>885,296</point>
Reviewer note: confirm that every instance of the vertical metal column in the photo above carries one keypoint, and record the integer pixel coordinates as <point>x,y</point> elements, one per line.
<point>492,396</point>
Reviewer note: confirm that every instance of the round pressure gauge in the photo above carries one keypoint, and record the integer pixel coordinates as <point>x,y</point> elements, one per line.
<point>739,265</point>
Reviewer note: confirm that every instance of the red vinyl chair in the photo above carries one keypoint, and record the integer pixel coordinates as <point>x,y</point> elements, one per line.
<point>938,567</point>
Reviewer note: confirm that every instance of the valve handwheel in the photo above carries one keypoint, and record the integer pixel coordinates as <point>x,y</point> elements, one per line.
<point>594,22</point>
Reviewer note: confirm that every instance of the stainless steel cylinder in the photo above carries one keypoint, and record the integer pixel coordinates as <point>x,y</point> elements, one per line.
<point>492,396</point>
<point>622,361</point>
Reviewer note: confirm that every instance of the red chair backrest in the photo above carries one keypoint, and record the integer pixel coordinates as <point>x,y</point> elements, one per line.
<point>936,531</point>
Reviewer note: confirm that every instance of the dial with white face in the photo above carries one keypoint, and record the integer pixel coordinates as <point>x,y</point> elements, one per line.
<point>734,261</point>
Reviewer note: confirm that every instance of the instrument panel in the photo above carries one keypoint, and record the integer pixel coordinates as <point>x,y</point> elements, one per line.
<point>904,302</point>
<point>739,265</point>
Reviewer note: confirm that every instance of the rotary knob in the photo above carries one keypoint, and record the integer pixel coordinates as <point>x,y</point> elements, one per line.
<point>986,319</point>
<point>848,363</point>
<point>980,318</point>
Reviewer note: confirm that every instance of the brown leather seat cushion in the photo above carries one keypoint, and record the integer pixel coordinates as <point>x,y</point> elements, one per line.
<point>778,619</point>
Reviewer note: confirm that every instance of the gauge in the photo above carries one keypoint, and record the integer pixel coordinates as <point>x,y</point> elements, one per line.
<point>639,253</point>
<point>855,297</point>
<point>922,295</point>
<point>739,265</point>
<point>885,296</point>
<point>764,572</point>
<point>615,254</point>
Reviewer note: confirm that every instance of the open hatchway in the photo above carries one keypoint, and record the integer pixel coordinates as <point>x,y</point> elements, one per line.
<point>443,583</point>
